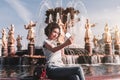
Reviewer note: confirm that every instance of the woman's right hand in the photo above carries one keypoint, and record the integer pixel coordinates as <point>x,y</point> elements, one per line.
<point>69,41</point>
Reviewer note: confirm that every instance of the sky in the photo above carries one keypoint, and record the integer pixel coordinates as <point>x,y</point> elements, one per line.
<point>20,12</point>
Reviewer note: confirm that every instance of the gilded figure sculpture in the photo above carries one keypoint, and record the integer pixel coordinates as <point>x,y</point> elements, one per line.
<point>31,33</point>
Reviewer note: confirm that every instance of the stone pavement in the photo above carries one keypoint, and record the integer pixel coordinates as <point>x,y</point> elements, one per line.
<point>103,77</point>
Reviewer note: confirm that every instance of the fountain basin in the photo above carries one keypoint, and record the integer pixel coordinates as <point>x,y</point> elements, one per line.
<point>19,70</point>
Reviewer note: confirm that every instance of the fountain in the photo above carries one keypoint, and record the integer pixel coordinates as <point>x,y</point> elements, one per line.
<point>71,17</point>
<point>92,59</point>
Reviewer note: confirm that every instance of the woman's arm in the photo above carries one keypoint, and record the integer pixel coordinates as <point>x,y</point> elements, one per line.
<point>54,49</point>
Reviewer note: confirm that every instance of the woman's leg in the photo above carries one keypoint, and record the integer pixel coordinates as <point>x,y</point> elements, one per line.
<point>74,77</point>
<point>81,73</point>
<point>58,72</point>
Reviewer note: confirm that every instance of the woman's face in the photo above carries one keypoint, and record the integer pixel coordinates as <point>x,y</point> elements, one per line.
<point>54,34</point>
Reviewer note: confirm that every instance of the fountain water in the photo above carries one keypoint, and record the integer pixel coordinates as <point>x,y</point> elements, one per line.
<point>50,18</point>
<point>79,26</point>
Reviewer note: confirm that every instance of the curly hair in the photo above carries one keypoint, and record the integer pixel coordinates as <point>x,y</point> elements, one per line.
<point>50,27</point>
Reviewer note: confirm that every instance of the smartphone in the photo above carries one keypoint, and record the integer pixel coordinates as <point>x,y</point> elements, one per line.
<point>68,35</point>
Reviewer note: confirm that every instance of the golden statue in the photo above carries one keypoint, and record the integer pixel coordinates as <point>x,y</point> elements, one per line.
<point>29,27</point>
<point>19,38</point>
<point>4,38</point>
<point>11,39</point>
<point>107,35</point>
<point>117,35</point>
<point>61,38</point>
<point>95,41</point>
<point>88,33</point>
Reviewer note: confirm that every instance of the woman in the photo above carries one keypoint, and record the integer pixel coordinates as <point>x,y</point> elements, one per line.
<point>53,53</point>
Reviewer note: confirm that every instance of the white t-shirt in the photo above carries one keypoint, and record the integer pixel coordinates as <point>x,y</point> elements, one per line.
<point>53,58</point>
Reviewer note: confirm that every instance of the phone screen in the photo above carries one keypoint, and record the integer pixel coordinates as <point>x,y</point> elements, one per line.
<point>67,35</point>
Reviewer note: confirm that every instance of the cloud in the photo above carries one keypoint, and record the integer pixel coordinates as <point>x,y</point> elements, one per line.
<point>22,11</point>
<point>112,16</point>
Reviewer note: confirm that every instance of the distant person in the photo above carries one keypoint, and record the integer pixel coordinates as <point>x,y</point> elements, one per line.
<point>55,67</point>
